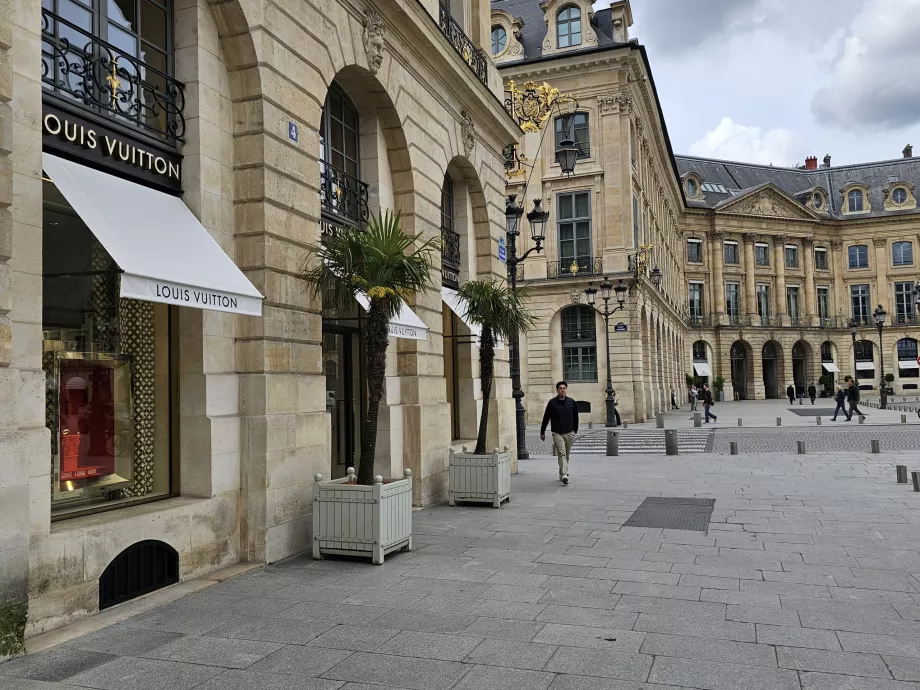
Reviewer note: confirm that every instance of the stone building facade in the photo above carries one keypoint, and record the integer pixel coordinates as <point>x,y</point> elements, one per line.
<point>780,262</point>
<point>624,200</point>
<point>286,120</point>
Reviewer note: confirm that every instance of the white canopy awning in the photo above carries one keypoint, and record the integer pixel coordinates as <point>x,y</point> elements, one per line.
<point>702,368</point>
<point>908,364</point>
<point>165,254</point>
<point>457,305</point>
<point>863,366</point>
<point>406,324</point>
<point>830,366</point>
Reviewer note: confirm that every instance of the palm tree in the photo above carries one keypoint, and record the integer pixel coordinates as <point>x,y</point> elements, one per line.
<point>388,266</point>
<point>500,312</point>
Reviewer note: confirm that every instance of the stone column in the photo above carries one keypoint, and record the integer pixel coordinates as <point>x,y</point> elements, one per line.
<point>883,295</point>
<point>750,287</point>
<point>718,283</point>
<point>841,298</point>
<point>808,250</point>
<point>779,267</point>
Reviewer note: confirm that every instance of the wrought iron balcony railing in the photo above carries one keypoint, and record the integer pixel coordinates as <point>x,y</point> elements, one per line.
<point>739,320</point>
<point>906,320</point>
<point>699,321</point>
<point>570,335</point>
<point>584,265</point>
<point>768,320</point>
<point>343,197</point>
<point>450,257</point>
<point>471,55</point>
<point>81,68</point>
<point>798,321</point>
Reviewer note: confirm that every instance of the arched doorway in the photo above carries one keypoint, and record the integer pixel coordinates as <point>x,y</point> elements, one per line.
<point>772,369</point>
<point>829,367</point>
<point>800,355</point>
<point>701,369</point>
<point>739,364</point>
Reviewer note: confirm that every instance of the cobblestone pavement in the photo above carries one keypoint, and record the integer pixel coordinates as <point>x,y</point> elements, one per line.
<point>805,579</point>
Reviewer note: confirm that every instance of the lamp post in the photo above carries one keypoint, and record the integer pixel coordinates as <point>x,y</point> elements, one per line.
<point>591,293</point>
<point>537,219</point>
<point>853,324</point>
<point>879,315</point>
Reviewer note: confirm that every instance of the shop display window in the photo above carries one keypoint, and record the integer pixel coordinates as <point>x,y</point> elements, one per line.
<point>108,374</point>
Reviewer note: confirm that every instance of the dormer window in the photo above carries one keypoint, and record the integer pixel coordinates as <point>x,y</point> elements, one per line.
<point>855,201</point>
<point>499,39</point>
<point>568,27</point>
<point>899,195</point>
<point>692,187</point>
<point>817,200</point>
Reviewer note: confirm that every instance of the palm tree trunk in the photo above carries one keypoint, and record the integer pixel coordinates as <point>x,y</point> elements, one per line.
<point>377,341</point>
<point>486,369</point>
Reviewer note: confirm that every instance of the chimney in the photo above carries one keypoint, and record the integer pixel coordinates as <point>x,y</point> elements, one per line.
<point>827,160</point>
<point>908,151</point>
<point>621,18</point>
<point>811,163</point>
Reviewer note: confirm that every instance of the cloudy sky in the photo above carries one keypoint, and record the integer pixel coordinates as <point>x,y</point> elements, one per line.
<point>774,81</point>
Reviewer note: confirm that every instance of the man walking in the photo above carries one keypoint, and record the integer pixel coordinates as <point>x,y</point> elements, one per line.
<point>673,400</point>
<point>562,413</point>
<point>841,398</point>
<point>790,393</point>
<point>694,397</point>
<point>853,399</point>
<point>708,402</point>
<point>616,413</point>
<point>812,393</point>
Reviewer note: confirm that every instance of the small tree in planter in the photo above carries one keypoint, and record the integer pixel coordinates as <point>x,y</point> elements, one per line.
<point>718,385</point>
<point>388,266</point>
<point>500,313</point>
<point>889,379</point>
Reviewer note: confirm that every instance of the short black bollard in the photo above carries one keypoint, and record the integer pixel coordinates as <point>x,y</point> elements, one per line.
<point>670,442</point>
<point>613,443</point>
<point>801,447</point>
<point>624,423</point>
<point>659,420</point>
<point>915,477</point>
<point>739,421</point>
<point>819,421</point>
<point>697,419</point>
<point>861,419</point>
<point>874,445</point>
<point>733,447</point>
<point>779,421</point>
<point>903,419</point>
<point>901,473</point>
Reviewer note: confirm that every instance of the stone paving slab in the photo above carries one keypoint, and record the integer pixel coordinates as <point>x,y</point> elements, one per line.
<point>806,578</point>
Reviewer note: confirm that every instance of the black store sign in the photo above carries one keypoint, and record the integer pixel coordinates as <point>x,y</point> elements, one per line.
<point>71,136</point>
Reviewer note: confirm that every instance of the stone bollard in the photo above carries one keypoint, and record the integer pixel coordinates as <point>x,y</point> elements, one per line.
<point>903,419</point>
<point>670,442</point>
<point>861,419</point>
<point>901,473</point>
<point>739,421</point>
<point>819,421</point>
<point>915,477</point>
<point>733,447</point>
<point>613,443</point>
<point>779,421</point>
<point>697,419</point>
<point>659,420</point>
<point>801,447</point>
<point>874,445</point>
<point>624,423</point>
<point>590,425</point>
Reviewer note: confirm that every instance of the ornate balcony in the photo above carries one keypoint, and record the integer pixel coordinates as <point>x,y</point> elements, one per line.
<point>699,321</point>
<point>570,335</point>
<point>465,48</point>
<point>343,198</point>
<point>798,321</point>
<point>584,265</point>
<point>80,68</point>
<point>769,320</point>
<point>906,320</point>
<point>450,258</point>
<point>738,320</point>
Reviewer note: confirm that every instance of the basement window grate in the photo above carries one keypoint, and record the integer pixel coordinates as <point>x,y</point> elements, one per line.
<point>673,513</point>
<point>140,569</point>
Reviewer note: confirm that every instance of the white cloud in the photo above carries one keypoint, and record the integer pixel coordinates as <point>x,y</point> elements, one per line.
<point>736,142</point>
<point>873,82</point>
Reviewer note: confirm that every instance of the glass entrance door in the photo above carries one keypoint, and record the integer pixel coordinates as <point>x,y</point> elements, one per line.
<point>343,396</point>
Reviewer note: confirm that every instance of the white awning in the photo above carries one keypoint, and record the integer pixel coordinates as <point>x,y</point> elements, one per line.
<point>830,366</point>
<point>406,324</point>
<point>702,368</point>
<point>457,305</point>
<point>908,364</point>
<point>863,366</point>
<point>165,254</point>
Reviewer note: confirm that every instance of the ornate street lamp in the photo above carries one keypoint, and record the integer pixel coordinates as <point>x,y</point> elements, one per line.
<point>566,156</point>
<point>537,219</point>
<point>879,315</point>
<point>656,277</point>
<point>591,294</point>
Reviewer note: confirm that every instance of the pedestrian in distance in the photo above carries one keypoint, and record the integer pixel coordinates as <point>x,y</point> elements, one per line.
<point>616,412</point>
<point>841,398</point>
<point>853,400</point>
<point>673,400</point>
<point>790,393</point>
<point>812,393</point>
<point>694,397</point>
<point>800,392</point>
<point>562,415</point>
<point>708,402</point>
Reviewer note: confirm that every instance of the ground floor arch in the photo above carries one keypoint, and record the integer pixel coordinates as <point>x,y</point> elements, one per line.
<point>741,357</point>
<point>773,370</point>
<point>801,367</point>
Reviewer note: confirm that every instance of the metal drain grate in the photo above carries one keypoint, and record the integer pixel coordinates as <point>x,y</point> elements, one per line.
<point>810,411</point>
<point>673,513</point>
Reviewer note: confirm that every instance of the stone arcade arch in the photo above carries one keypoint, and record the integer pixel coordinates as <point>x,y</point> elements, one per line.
<point>802,361</point>
<point>742,370</point>
<point>773,370</point>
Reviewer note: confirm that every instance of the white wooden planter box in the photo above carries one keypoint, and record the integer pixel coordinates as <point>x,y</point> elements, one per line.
<point>357,520</point>
<point>480,478</point>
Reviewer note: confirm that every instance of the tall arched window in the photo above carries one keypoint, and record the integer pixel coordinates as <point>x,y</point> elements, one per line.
<point>579,344</point>
<point>450,238</point>
<point>342,194</point>
<point>568,27</point>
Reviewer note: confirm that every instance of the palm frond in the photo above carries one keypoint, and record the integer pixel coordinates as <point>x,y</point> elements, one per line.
<point>493,303</point>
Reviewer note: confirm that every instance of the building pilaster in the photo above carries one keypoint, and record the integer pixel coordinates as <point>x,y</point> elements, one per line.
<point>840,296</point>
<point>808,250</point>
<point>779,267</point>
<point>881,270</point>
<point>750,289</point>
<point>718,281</point>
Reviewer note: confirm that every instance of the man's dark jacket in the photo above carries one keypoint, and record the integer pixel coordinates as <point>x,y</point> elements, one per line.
<point>853,394</point>
<point>812,391</point>
<point>562,416</point>
<point>707,398</point>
